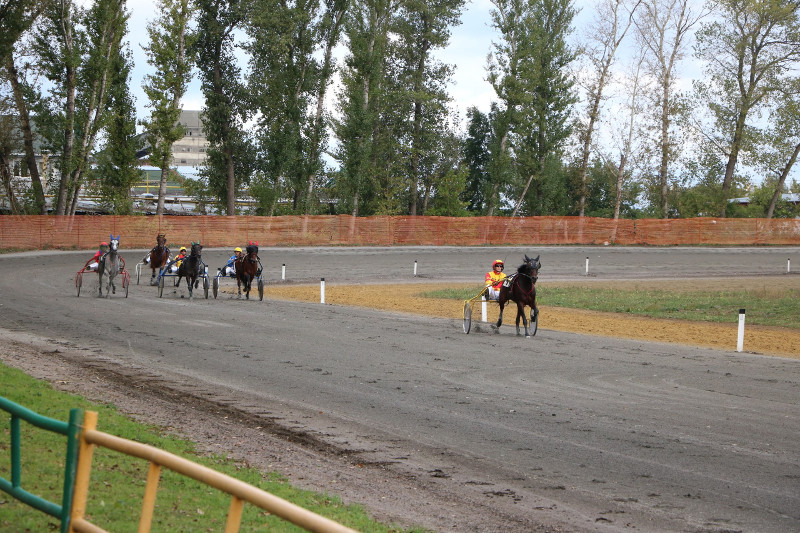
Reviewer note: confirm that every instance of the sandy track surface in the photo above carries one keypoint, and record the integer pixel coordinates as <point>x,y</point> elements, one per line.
<point>409,298</point>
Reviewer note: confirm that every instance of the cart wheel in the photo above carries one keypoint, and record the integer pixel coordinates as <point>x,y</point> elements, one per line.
<point>467,317</point>
<point>205,286</point>
<point>160,286</point>
<point>534,321</point>
<point>78,283</point>
<point>215,287</point>
<point>260,290</point>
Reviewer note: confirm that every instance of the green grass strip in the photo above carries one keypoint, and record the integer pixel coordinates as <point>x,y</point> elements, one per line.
<point>763,306</point>
<point>117,482</point>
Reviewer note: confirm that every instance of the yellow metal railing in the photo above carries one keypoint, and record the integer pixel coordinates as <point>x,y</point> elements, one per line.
<point>240,492</point>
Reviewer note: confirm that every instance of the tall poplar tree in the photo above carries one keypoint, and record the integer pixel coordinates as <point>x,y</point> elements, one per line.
<point>169,57</point>
<point>529,70</point>
<point>748,51</point>
<point>291,64</point>
<point>117,167</point>
<point>422,27</point>
<point>227,107</point>
<point>360,103</point>
<point>76,49</point>
<point>663,31</point>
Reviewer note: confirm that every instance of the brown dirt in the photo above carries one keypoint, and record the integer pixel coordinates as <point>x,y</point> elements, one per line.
<point>407,298</point>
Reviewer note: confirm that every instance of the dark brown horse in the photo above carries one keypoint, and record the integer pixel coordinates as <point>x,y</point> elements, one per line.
<point>159,256</point>
<point>521,289</point>
<point>248,267</point>
<point>191,267</point>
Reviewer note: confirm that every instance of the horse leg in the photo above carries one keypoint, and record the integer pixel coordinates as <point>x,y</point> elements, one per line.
<point>239,288</point>
<point>247,287</point>
<point>100,280</point>
<point>524,321</point>
<point>500,318</point>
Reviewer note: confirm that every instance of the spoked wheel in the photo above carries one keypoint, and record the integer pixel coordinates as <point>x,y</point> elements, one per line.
<point>534,321</point>
<point>160,286</point>
<point>205,286</point>
<point>260,289</point>
<point>78,283</point>
<point>467,316</point>
<point>215,286</point>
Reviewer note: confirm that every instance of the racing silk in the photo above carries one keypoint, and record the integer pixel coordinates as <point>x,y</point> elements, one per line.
<point>495,279</point>
<point>177,261</point>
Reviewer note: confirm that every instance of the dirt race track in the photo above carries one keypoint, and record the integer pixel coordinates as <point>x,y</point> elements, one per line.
<point>589,426</point>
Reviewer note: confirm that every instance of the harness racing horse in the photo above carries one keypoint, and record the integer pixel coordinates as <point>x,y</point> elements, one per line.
<point>247,268</point>
<point>521,289</point>
<point>159,256</point>
<point>109,265</point>
<point>190,268</point>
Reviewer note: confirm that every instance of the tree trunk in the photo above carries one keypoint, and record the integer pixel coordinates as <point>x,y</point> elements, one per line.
<point>27,136</point>
<point>779,186</point>
<point>69,114</point>
<point>5,177</point>
<point>162,186</point>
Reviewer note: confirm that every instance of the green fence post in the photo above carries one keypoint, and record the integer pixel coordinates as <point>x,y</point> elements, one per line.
<point>70,466</point>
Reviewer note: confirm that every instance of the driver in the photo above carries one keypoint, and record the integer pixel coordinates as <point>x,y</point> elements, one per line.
<point>229,269</point>
<point>92,263</point>
<point>494,280</point>
<point>176,263</point>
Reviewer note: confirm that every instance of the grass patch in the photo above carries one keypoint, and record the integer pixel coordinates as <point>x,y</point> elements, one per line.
<point>764,307</point>
<point>117,481</point>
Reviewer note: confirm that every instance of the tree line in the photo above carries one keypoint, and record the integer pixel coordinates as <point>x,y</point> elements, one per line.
<point>594,121</point>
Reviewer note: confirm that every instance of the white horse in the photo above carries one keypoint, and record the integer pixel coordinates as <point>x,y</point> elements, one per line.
<point>109,265</point>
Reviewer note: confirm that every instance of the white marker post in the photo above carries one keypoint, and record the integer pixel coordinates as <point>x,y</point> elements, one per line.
<point>788,265</point>
<point>322,290</point>
<point>740,340</point>
<point>587,266</point>
<point>415,269</point>
<point>283,272</point>
<point>483,308</point>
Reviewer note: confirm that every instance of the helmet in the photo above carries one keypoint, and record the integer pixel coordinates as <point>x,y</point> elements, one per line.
<point>103,243</point>
<point>498,262</point>
<point>183,249</point>
<point>237,249</point>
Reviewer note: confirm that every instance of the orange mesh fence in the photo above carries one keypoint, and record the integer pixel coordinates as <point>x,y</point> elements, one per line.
<point>86,232</point>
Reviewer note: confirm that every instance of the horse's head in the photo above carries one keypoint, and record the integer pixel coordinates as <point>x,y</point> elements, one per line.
<point>113,243</point>
<point>161,239</point>
<point>531,267</point>
<point>252,250</point>
<point>196,248</point>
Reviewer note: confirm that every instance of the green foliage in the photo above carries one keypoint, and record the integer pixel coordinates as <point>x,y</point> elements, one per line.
<point>117,482</point>
<point>230,159</point>
<point>117,167</point>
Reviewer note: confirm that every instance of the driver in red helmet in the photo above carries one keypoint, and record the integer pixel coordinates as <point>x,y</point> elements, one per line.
<point>92,263</point>
<point>494,280</point>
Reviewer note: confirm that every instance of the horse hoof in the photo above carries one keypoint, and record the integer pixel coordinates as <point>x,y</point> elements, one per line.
<point>527,336</point>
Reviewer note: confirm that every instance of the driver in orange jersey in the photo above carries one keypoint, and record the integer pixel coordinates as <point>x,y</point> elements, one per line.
<point>92,263</point>
<point>494,280</point>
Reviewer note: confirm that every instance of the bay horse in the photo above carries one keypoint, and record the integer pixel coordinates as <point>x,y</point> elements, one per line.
<point>521,289</point>
<point>190,268</point>
<point>247,268</point>
<point>109,265</point>
<point>159,256</point>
